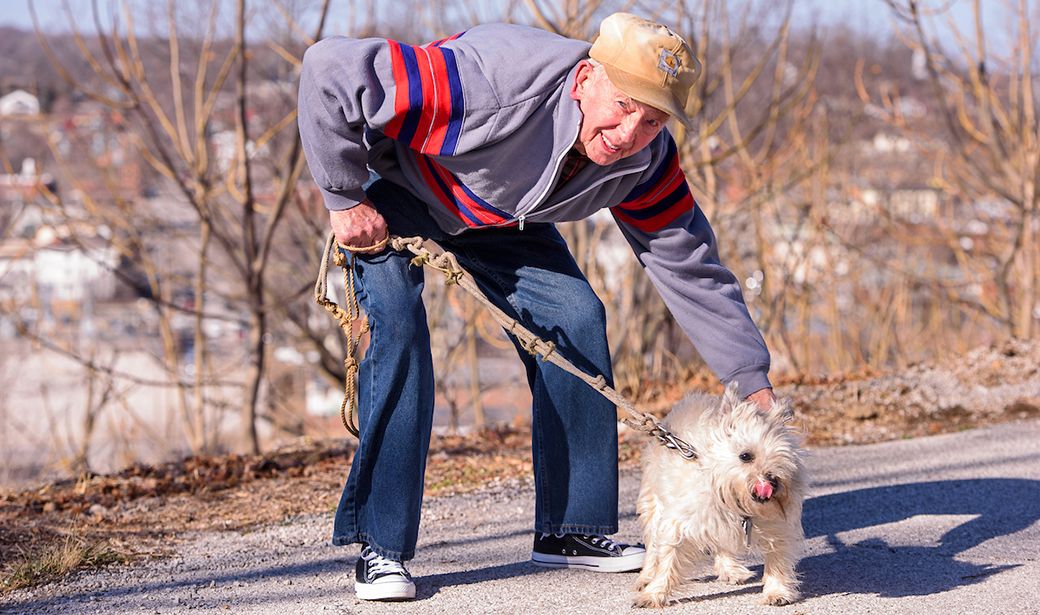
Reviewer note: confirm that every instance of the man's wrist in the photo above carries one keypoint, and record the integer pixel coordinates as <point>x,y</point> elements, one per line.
<point>763,398</point>
<point>750,380</point>
<point>342,201</point>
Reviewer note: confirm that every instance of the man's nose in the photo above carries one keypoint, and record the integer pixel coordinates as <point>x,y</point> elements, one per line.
<point>626,131</point>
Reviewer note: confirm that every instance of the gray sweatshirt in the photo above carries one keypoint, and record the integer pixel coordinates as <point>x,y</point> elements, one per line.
<point>477,126</point>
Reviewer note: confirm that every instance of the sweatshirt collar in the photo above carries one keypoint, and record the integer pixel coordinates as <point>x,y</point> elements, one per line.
<point>569,113</point>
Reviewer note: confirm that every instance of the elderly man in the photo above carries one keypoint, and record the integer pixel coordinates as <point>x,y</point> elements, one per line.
<point>481,142</point>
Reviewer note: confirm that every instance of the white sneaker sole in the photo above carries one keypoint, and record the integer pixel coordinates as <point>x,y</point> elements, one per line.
<point>388,591</point>
<point>624,563</point>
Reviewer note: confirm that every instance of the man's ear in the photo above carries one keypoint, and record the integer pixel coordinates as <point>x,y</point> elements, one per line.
<point>581,80</point>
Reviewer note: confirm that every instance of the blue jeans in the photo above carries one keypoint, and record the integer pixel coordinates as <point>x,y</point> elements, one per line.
<point>533,277</point>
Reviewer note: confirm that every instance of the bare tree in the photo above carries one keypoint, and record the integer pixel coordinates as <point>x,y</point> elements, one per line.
<point>984,144</point>
<point>239,202</point>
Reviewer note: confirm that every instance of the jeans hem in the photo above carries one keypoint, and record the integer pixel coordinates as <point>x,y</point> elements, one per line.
<point>570,528</point>
<point>343,540</point>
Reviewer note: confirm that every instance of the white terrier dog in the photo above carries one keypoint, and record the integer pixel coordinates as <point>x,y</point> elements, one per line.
<point>745,489</point>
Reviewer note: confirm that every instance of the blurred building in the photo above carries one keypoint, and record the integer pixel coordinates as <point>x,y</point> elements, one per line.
<point>19,102</point>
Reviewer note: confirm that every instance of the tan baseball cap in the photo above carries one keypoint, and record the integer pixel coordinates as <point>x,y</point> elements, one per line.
<point>647,62</point>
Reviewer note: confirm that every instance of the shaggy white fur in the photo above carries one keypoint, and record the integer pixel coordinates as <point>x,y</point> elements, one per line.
<point>749,465</point>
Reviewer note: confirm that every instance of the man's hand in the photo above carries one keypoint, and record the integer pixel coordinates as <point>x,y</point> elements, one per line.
<point>763,398</point>
<point>358,227</point>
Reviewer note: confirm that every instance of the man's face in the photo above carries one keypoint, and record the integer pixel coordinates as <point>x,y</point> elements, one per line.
<point>613,125</point>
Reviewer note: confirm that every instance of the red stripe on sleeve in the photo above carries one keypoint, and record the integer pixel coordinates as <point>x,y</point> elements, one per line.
<point>669,182</point>
<point>427,169</point>
<point>474,208</point>
<point>661,220</point>
<point>442,106</point>
<point>393,127</point>
<point>675,179</point>
<point>440,42</point>
<point>429,106</point>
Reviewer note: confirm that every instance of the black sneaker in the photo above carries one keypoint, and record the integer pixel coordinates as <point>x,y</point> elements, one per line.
<point>597,553</point>
<point>379,578</point>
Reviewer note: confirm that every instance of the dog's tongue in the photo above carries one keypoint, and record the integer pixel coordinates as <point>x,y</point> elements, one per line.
<point>763,489</point>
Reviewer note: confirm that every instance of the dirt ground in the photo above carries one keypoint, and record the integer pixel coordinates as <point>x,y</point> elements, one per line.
<point>137,512</point>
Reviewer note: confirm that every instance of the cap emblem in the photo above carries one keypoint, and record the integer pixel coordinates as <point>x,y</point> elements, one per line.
<point>669,62</point>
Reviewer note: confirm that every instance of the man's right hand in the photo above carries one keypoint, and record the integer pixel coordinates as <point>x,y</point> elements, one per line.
<point>360,226</point>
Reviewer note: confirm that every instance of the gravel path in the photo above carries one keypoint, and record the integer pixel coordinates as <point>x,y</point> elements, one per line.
<point>946,524</point>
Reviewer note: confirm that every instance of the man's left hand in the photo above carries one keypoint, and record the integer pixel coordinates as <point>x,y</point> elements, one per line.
<point>763,398</point>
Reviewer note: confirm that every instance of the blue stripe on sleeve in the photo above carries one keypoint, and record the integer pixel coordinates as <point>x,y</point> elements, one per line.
<point>458,104</point>
<point>415,95</point>
<point>451,197</point>
<point>661,206</point>
<point>481,202</point>
<point>649,184</point>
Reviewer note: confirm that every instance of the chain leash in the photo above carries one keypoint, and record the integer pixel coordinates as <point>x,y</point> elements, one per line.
<point>428,253</point>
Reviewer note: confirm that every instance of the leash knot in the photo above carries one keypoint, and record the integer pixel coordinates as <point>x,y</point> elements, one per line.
<point>339,259</point>
<point>452,276</point>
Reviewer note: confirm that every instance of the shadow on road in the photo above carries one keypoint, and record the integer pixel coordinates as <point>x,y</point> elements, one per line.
<point>429,585</point>
<point>882,564</point>
<point>998,507</point>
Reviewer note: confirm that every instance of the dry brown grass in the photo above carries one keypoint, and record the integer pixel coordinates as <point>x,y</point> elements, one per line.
<point>43,563</point>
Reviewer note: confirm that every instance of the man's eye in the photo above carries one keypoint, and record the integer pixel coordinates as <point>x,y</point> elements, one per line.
<point>622,104</point>
<point>653,123</point>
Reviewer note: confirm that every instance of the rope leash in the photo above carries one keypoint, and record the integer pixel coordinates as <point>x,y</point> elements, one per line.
<point>345,318</point>
<point>428,253</point>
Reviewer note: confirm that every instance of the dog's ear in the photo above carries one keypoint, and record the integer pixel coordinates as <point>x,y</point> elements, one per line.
<point>721,416</point>
<point>781,411</point>
<point>730,399</point>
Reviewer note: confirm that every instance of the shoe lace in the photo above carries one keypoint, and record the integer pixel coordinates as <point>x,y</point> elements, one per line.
<point>377,564</point>
<point>599,541</point>
<point>603,541</point>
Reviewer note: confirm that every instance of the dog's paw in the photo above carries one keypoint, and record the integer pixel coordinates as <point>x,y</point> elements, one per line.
<point>779,597</point>
<point>734,575</point>
<point>645,600</point>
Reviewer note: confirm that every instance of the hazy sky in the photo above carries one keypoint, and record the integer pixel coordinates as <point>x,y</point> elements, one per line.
<point>869,15</point>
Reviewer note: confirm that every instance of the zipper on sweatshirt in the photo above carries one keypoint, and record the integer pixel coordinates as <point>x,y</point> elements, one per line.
<point>552,180</point>
<point>603,180</point>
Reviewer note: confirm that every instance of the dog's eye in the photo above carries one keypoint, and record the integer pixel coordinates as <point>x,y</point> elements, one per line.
<point>747,457</point>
